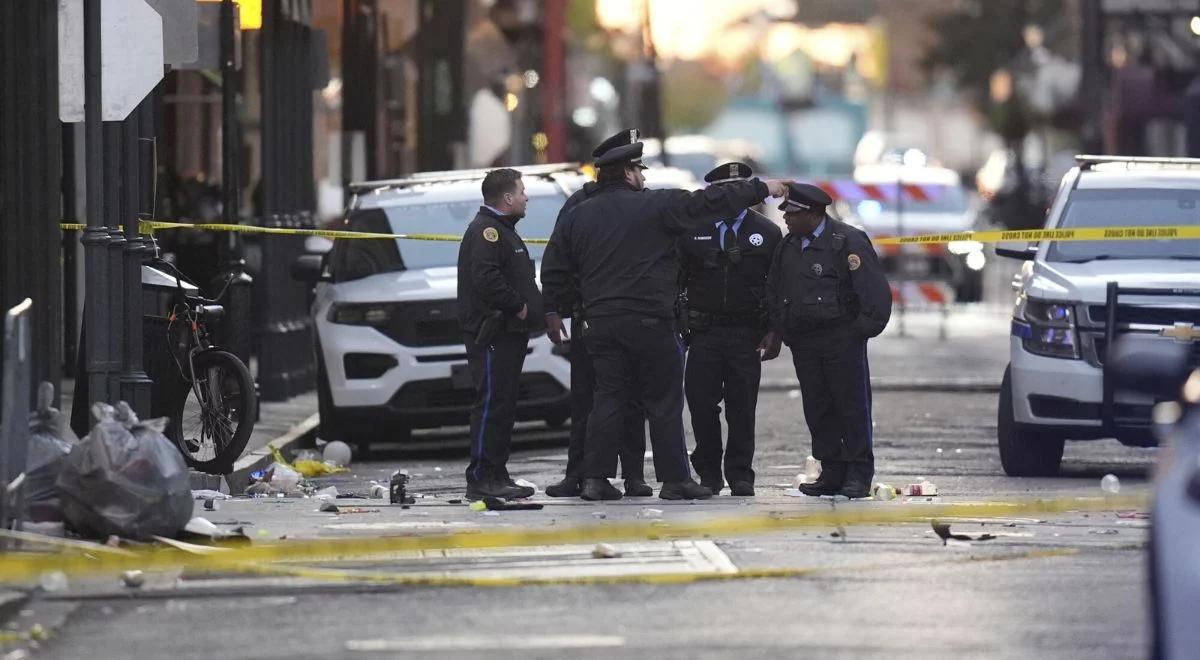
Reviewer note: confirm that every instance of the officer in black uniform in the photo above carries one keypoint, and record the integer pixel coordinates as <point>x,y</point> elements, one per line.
<point>620,245</point>
<point>828,296</point>
<point>498,306</point>
<point>724,279</point>
<point>565,304</point>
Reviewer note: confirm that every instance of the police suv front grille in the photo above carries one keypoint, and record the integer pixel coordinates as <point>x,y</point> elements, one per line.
<point>1101,351</point>
<point>441,394</point>
<point>1146,315</point>
<point>425,323</point>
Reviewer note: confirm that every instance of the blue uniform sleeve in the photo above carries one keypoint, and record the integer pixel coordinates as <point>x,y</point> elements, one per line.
<point>870,285</point>
<point>681,211</point>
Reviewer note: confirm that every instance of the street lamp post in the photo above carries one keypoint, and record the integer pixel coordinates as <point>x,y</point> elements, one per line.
<point>95,238</point>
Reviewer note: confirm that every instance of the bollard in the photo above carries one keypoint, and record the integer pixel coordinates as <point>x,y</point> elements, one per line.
<point>15,395</point>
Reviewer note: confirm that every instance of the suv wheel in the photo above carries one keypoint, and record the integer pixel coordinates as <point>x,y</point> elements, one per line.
<point>1024,452</point>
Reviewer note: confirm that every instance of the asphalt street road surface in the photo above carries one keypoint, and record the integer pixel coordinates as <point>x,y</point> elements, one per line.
<point>1051,586</point>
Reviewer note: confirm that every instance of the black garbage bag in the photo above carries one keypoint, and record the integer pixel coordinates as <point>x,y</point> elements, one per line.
<point>50,440</point>
<point>125,478</point>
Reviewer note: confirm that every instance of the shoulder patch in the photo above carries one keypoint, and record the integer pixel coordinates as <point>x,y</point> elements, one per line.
<point>756,239</point>
<point>854,261</point>
<point>491,235</point>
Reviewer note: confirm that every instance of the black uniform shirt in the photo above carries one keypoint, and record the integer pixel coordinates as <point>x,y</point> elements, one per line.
<point>563,297</point>
<point>836,282</point>
<point>495,272</point>
<point>620,243</point>
<point>715,284</point>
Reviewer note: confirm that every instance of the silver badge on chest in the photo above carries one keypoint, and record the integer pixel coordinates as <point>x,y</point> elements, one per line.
<point>817,269</point>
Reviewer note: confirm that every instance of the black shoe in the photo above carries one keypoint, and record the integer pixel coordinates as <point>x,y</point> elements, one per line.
<point>478,490</point>
<point>568,487</point>
<point>833,475</point>
<point>637,488</point>
<point>713,485</point>
<point>858,480</point>
<point>599,489</point>
<point>741,489</point>
<point>684,490</point>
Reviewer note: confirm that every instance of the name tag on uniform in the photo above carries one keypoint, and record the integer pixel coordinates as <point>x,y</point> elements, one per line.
<point>519,251</point>
<point>702,238</point>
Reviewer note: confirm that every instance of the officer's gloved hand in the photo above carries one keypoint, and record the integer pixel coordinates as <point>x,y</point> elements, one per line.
<point>770,346</point>
<point>555,329</point>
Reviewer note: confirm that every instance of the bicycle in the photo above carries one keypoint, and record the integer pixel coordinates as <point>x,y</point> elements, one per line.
<point>212,422</point>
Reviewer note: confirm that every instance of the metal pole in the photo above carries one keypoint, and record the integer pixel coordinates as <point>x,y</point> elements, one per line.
<point>95,237</point>
<point>135,383</point>
<point>235,329</point>
<point>114,214</point>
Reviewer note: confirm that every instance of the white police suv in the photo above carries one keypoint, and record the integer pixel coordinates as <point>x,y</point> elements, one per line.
<point>390,353</point>
<point>1074,298</point>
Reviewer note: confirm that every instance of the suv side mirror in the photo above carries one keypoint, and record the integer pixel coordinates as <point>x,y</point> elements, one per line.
<point>1150,366</point>
<point>310,268</point>
<point>1010,250</point>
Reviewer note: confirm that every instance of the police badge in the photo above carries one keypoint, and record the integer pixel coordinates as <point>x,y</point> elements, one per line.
<point>817,269</point>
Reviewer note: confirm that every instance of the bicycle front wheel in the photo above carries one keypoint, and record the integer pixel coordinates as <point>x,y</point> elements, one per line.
<point>213,423</point>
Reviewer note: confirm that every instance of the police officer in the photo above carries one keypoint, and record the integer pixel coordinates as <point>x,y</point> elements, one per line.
<point>499,305</point>
<point>724,277</point>
<point>829,295</point>
<point>620,245</point>
<point>562,304</point>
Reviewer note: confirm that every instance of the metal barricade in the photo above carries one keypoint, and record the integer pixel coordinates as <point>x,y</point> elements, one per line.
<point>14,414</point>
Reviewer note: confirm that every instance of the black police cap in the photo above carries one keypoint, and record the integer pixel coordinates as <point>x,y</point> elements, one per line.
<point>625,137</point>
<point>805,197</point>
<point>630,154</point>
<point>729,172</point>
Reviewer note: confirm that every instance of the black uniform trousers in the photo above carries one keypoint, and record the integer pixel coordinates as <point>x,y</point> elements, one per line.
<point>835,381</point>
<point>496,371</point>
<point>639,362</point>
<point>632,444</point>
<point>723,364</point>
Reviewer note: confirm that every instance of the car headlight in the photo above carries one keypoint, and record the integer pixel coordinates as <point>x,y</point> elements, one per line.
<point>1046,328</point>
<point>373,314</point>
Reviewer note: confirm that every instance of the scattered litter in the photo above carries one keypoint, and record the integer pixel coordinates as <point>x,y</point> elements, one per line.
<point>883,492</point>
<point>196,549</point>
<point>52,581</point>
<point>355,509</point>
<point>491,513</point>
<point>478,506</point>
<point>133,579</point>
<point>282,477</point>
<point>209,495</point>
<point>113,541</point>
<point>1103,532</point>
<point>958,451</point>
<point>922,489</point>
<point>438,469</point>
<point>1110,484</point>
<point>125,478</point>
<point>605,551</point>
<point>497,504</point>
<point>650,514</point>
<point>309,469</point>
<point>307,455</point>
<point>944,533</point>
<point>378,490</point>
<point>1133,515</point>
<point>398,488</point>
<point>50,441</point>
<point>327,493</point>
<point>812,469</point>
<point>793,394</point>
<point>338,453</point>
<point>527,484</point>
<point>793,492</point>
<point>599,515</point>
<point>210,505</point>
<point>939,450</point>
<point>328,507</point>
<point>454,501</point>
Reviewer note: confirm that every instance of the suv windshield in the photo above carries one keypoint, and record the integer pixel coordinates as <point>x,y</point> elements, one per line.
<point>357,258</point>
<point>1128,207</point>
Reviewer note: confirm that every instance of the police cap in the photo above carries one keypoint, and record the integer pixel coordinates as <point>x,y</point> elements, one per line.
<point>804,197</point>
<point>621,139</point>
<point>729,172</point>
<point>628,155</point>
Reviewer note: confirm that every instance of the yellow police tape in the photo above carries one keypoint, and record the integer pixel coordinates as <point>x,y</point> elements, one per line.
<point>1163,232</point>
<point>78,562</point>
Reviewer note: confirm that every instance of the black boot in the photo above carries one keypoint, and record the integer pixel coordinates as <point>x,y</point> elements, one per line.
<point>599,489</point>
<point>684,490</point>
<point>858,480</point>
<point>637,488</point>
<point>568,487</point>
<point>741,489</point>
<point>713,484</point>
<point>833,475</point>
<point>477,490</point>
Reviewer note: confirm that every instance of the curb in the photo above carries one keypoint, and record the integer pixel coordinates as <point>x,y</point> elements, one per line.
<point>11,604</point>
<point>897,385</point>
<point>260,458</point>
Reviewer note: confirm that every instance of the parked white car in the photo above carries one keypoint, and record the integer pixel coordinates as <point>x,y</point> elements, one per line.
<point>390,352</point>
<point>1075,298</point>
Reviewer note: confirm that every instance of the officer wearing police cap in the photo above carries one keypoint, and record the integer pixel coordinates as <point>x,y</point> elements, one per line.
<point>563,302</point>
<point>724,277</point>
<point>620,246</point>
<point>828,296</point>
